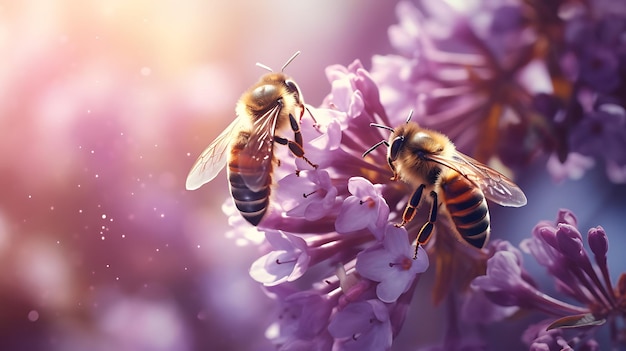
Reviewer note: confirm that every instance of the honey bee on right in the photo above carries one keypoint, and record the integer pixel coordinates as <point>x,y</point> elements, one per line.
<point>429,161</point>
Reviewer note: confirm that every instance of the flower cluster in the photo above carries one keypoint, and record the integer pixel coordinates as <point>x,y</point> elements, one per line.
<point>333,256</point>
<point>492,77</point>
<point>341,271</point>
<point>578,274</point>
<point>510,79</point>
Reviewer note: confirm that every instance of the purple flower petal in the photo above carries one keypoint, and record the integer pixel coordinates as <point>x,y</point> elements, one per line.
<point>570,241</point>
<point>392,264</point>
<point>288,262</point>
<point>598,241</point>
<point>503,273</point>
<point>362,325</point>
<point>366,208</point>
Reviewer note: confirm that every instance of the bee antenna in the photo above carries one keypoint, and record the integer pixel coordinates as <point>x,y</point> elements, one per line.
<point>375,146</point>
<point>410,115</point>
<point>263,66</point>
<point>289,61</point>
<point>381,126</point>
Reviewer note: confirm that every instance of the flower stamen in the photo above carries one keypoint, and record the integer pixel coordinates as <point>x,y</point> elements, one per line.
<point>368,201</point>
<point>405,264</point>
<point>278,261</point>
<point>309,194</point>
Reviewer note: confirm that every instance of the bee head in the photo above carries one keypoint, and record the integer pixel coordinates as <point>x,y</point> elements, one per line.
<point>272,89</point>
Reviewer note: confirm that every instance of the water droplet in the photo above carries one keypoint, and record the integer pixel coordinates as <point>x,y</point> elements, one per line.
<point>104,216</point>
<point>33,316</point>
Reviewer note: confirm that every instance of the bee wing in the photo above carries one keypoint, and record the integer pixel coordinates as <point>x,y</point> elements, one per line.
<point>496,187</point>
<point>213,158</point>
<point>259,153</point>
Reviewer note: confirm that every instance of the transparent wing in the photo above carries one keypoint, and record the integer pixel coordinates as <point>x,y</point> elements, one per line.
<point>259,152</point>
<point>496,187</point>
<point>213,158</point>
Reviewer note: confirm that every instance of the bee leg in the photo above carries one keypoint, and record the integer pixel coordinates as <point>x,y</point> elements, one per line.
<point>295,149</point>
<point>409,210</point>
<point>297,135</point>
<point>427,228</point>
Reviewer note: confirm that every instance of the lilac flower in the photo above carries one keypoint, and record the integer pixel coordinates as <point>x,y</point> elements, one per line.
<point>518,70</point>
<point>451,64</point>
<point>602,134</point>
<point>329,232</point>
<point>392,264</point>
<point>363,325</point>
<point>539,338</point>
<point>318,198</point>
<point>574,167</point>
<point>559,248</point>
<point>322,222</point>
<point>503,284</point>
<point>488,76</point>
<point>591,66</point>
<point>365,208</point>
<point>477,306</point>
<point>287,262</point>
<point>302,320</point>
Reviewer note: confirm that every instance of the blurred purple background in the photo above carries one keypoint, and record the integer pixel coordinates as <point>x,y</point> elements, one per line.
<point>104,106</point>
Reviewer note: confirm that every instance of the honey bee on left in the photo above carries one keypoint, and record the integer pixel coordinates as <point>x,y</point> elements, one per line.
<point>273,104</point>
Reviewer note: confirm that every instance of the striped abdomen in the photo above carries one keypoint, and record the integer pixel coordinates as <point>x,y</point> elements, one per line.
<point>251,204</point>
<point>468,208</point>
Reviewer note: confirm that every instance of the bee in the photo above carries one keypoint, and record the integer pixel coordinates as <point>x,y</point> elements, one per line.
<point>270,105</point>
<point>429,161</point>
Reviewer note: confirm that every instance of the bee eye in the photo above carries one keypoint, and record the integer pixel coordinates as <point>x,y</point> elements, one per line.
<point>397,143</point>
<point>293,87</point>
<point>263,92</point>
